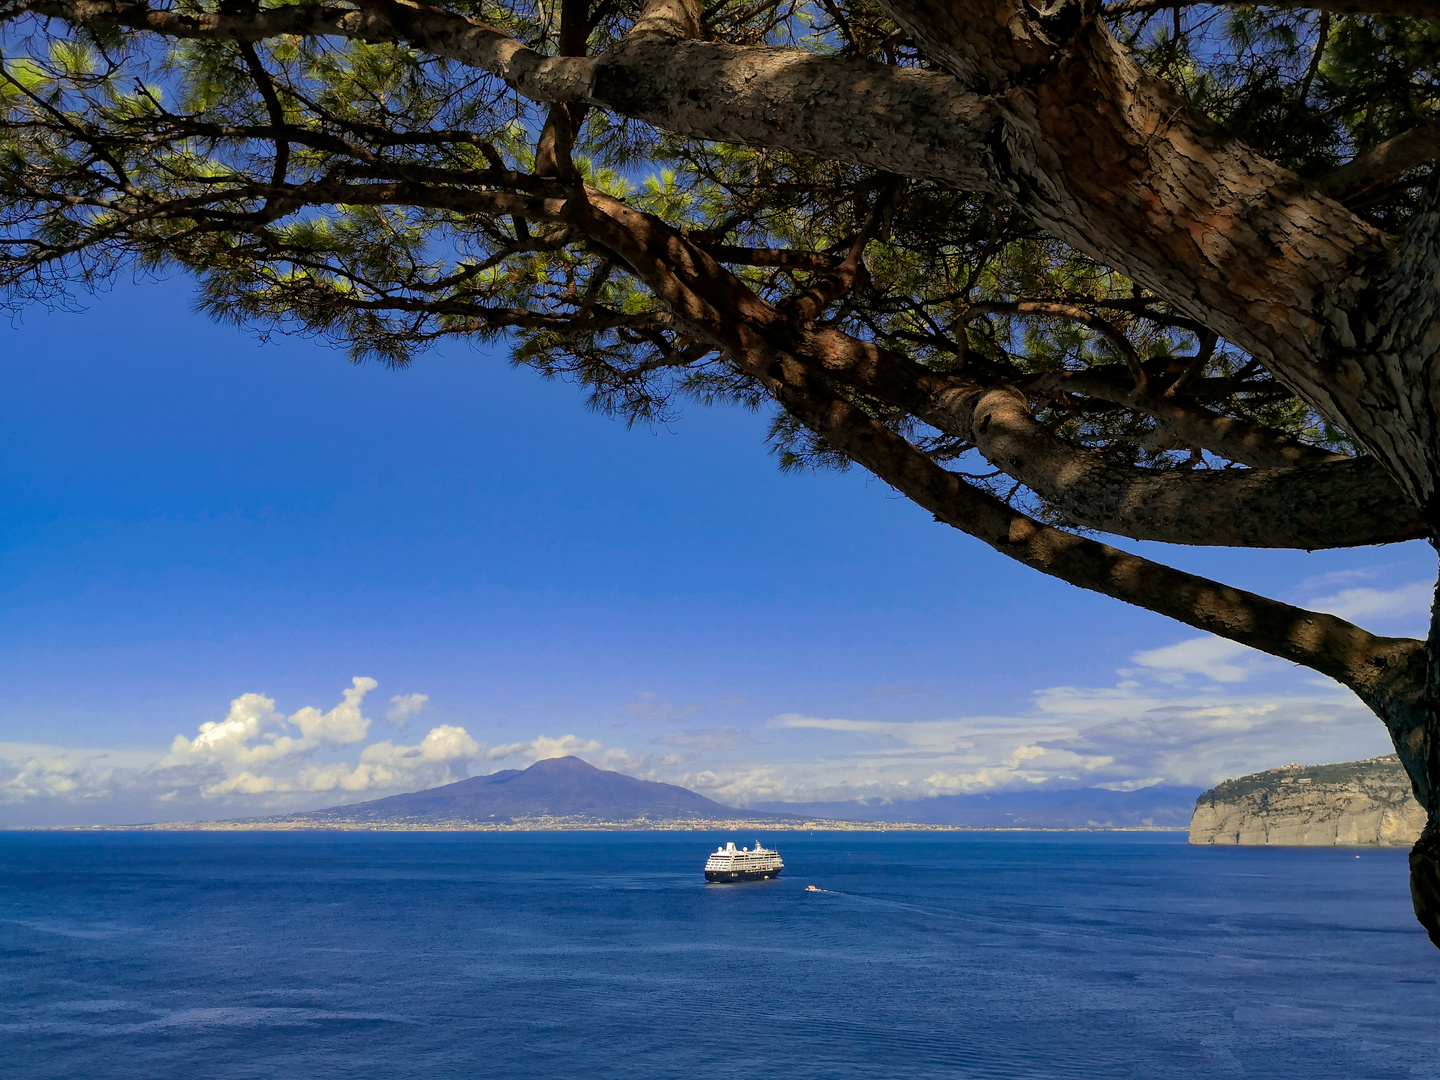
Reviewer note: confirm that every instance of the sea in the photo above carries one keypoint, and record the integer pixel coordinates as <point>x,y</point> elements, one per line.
<point>519,956</point>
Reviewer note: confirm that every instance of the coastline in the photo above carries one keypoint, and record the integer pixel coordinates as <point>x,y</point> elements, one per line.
<point>560,825</point>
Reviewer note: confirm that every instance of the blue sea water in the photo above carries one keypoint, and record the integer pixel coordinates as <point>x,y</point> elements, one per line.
<point>523,956</point>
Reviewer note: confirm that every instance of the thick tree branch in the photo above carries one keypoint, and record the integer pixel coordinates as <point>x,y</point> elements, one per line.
<point>1399,356</point>
<point>1339,504</point>
<point>673,268</point>
<point>740,323</point>
<point>668,20</point>
<point>1382,165</point>
<point>1096,152</point>
<point>1106,157</point>
<point>1322,642</point>
<point>1382,671</point>
<point>907,120</point>
<point>1413,9</point>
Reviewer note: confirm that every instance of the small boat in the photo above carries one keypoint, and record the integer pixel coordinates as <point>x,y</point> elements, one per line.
<point>730,863</point>
<point>812,888</point>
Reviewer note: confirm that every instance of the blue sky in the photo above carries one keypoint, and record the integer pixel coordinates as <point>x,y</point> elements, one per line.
<point>192,518</point>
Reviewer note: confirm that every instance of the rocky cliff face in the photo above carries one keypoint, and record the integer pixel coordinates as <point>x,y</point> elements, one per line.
<point>1353,803</point>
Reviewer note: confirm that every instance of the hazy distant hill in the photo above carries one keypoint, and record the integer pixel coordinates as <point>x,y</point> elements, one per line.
<point>568,792</point>
<point>555,788</point>
<point>1073,808</point>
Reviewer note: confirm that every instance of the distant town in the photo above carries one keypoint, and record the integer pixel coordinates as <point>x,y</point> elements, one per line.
<point>586,824</point>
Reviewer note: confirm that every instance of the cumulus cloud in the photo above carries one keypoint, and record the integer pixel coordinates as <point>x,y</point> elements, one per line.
<point>256,760</point>
<point>257,750</point>
<point>405,706</point>
<point>244,783</point>
<point>254,733</point>
<point>383,765</point>
<point>1187,712</point>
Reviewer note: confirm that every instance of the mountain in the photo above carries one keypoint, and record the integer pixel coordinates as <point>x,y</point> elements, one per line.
<point>555,788</point>
<point>1033,808</point>
<point>568,792</point>
<point>1354,802</point>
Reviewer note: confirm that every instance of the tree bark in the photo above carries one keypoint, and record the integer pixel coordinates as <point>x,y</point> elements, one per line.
<point>1344,503</point>
<point>1425,855</point>
<point>1413,9</point>
<point>1381,165</point>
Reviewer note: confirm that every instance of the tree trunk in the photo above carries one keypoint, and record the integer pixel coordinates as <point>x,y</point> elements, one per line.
<point>1425,855</point>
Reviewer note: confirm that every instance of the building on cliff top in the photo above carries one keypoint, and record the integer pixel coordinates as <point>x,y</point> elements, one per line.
<point>1354,803</point>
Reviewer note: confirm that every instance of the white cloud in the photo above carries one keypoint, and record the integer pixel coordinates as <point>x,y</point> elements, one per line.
<point>636,762</point>
<point>245,783</point>
<point>254,733</point>
<point>255,760</point>
<point>1132,785</point>
<point>738,788</point>
<point>1334,578</point>
<point>1188,713</point>
<point>31,771</point>
<point>542,747</point>
<point>49,777</point>
<point>928,736</point>
<point>405,706</point>
<point>942,783</point>
<point>1367,603</point>
<point>385,766</point>
<point>1213,657</point>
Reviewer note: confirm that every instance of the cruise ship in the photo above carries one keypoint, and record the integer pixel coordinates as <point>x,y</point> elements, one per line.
<point>744,864</point>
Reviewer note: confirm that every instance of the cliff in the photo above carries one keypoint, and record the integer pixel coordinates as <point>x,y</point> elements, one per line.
<point>1353,803</point>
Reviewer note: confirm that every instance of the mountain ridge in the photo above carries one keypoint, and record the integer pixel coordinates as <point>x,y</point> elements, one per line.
<point>569,792</point>
<point>1157,807</point>
<point>566,788</point>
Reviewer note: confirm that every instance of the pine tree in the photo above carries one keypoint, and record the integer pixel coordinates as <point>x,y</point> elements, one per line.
<point>1157,270</point>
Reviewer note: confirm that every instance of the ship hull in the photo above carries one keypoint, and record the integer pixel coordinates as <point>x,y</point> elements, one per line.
<point>740,875</point>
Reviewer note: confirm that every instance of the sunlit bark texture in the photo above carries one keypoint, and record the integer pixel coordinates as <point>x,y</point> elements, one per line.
<point>1161,271</point>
